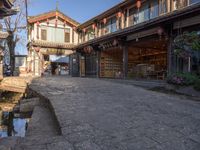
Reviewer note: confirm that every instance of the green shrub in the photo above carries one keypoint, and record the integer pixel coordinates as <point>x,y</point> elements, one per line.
<point>197,85</point>
<point>182,79</point>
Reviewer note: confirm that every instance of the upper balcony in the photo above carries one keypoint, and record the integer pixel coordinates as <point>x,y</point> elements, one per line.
<point>128,14</point>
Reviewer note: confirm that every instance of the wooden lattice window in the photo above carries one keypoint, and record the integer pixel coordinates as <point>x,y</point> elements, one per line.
<point>43,34</point>
<point>67,36</point>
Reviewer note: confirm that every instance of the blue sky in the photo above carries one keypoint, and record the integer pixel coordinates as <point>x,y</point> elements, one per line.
<point>79,10</point>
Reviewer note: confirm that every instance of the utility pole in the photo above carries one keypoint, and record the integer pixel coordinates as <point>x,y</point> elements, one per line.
<point>26,5</point>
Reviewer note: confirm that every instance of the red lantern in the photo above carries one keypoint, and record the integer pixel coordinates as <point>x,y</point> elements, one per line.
<point>74,28</point>
<point>115,42</point>
<point>89,50</point>
<point>84,30</point>
<point>47,21</point>
<point>138,4</point>
<point>85,49</point>
<point>37,49</point>
<point>93,26</point>
<point>104,20</point>
<point>119,14</point>
<point>160,31</point>
<point>38,23</point>
<point>56,23</point>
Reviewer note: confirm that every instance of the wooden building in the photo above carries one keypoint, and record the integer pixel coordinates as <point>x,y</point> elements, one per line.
<point>51,33</point>
<point>136,39</point>
<point>6,8</point>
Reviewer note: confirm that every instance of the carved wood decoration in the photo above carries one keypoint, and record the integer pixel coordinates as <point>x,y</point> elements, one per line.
<point>45,16</point>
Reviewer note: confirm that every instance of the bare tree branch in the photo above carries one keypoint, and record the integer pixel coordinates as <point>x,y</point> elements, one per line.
<point>15,26</point>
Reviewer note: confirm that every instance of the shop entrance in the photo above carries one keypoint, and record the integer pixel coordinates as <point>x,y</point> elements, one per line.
<point>111,63</point>
<point>147,59</point>
<point>91,65</point>
<point>55,65</point>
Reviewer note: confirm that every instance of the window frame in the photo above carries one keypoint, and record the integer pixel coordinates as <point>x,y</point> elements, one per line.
<point>69,35</point>
<point>43,34</point>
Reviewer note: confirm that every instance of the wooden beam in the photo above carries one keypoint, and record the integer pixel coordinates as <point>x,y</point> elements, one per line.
<point>13,89</point>
<point>187,22</point>
<point>142,34</point>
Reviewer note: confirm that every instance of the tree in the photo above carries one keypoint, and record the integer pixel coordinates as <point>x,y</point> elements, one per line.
<point>15,25</point>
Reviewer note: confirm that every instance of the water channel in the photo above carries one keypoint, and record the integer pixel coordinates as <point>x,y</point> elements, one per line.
<point>12,123</point>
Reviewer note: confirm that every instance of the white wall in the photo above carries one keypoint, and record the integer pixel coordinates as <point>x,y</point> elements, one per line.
<point>54,34</point>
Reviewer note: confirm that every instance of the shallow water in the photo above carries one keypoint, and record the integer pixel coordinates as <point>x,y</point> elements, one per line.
<point>13,126</point>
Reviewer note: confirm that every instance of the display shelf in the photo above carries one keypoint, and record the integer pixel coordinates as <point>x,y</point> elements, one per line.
<point>110,65</point>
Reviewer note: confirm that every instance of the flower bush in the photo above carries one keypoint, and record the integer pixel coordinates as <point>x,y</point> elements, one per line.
<point>182,79</point>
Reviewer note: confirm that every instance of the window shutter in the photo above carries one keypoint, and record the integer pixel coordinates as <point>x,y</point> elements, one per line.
<point>43,34</point>
<point>67,37</point>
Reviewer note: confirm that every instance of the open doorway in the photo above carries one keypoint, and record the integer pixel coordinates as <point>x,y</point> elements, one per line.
<point>147,59</point>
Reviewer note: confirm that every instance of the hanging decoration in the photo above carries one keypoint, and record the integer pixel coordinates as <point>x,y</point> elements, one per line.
<point>64,23</point>
<point>105,20</point>
<point>38,23</point>
<point>47,21</point>
<point>85,49</point>
<point>115,42</point>
<point>37,49</point>
<point>94,26</point>
<point>74,28</point>
<point>56,22</point>
<point>84,30</point>
<point>90,49</point>
<point>160,31</point>
<point>119,14</point>
<point>138,4</point>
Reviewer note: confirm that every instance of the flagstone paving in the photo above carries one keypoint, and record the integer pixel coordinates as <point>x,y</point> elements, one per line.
<point>101,115</point>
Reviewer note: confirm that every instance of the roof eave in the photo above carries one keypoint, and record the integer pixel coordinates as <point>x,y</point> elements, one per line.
<point>120,33</point>
<point>105,13</point>
<point>33,19</point>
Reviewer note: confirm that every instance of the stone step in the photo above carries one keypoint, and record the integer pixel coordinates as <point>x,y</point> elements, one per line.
<point>42,131</point>
<point>9,143</point>
<point>42,123</point>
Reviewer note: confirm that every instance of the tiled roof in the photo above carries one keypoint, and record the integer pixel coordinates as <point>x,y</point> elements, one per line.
<point>50,14</point>
<point>3,35</point>
<point>47,44</point>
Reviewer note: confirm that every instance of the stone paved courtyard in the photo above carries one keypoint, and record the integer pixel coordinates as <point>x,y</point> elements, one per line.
<point>100,115</point>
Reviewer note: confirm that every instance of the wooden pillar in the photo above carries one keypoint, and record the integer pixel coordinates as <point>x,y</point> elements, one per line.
<point>82,65</point>
<point>169,56</point>
<point>34,72</point>
<point>98,64</point>
<point>125,60</point>
<point>1,67</point>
